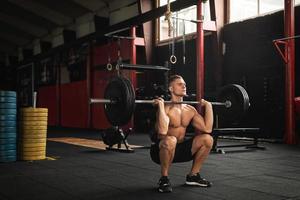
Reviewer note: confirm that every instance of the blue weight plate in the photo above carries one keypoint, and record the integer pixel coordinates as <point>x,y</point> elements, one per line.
<point>12,111</point>
<point>7,135</point>
<point>8,129</point>
<point>8,141</point>
<point>8,123</point>
<point>8,93</point>
<point>4,159</point>
<point>8,147</point>
<point>8,100</point>
<point>4,117</point>
<point>8,105</point>
<point>8,153</point>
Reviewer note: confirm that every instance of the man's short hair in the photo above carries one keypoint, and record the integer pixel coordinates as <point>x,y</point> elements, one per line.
<point>173,78</point>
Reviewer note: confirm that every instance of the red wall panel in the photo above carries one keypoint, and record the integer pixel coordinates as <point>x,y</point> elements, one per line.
<point>47,98</point>
<point>102,52</point>
<point>74,105</point>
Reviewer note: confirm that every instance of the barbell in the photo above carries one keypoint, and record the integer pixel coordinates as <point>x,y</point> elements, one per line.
<point>119,101</point>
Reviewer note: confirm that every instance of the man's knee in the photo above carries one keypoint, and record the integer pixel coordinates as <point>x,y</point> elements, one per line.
<point>204,140</point>
<point>169,142</point>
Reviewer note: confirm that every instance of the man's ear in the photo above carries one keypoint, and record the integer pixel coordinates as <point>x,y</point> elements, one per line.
<point>171,89</point>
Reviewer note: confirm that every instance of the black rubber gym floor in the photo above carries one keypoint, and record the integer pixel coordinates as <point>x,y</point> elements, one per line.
<point>77,172</point>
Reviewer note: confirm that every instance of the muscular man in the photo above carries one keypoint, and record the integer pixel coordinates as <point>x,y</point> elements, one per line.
<point>172,146</point>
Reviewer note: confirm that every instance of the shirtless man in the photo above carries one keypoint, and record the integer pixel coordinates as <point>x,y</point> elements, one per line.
<point>171,146</point>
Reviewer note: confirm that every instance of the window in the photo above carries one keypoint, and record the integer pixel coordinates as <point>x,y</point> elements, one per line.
<point>179,25</point>
<point>266,6</point>
<point>297,2</point>
<point>243,9</point>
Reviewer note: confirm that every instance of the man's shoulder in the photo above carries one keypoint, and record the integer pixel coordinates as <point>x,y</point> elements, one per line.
<point>190,107</point>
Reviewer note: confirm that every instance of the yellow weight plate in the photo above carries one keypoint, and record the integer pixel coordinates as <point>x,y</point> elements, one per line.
<point>33,136</point>
<point>33,123</point>
<point>32,153</point>
<point>32,145</point>
<point>33,118</point>
<point>32,149</point>
<point>34,110</point>
<point>33,115</point>
<point>37,132</point>
<point>40,157</point>
<point>29,127</point>
<point>27,141</point>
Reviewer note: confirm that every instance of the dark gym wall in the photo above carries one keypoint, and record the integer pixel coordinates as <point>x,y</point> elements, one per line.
<point>251,60</point>
<point>188,70</point>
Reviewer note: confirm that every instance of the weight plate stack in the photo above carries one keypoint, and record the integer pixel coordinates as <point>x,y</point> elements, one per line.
<point>33,133</point>
<point>8,126</point>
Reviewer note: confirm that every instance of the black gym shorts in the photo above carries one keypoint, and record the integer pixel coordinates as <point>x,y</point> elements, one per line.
<point>183,151</point>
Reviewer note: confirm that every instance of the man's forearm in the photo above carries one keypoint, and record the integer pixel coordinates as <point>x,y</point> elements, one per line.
<point>162,122</point>
<point>208,117</point>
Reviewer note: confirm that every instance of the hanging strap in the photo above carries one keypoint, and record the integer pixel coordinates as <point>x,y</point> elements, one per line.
<point>109,66</point>
<point>183,43</point>
<point>173,58</point>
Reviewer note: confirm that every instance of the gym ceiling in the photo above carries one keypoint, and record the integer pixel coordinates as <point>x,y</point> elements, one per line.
<point>24,23</point>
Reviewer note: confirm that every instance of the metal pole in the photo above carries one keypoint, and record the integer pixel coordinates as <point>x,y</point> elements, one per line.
<point>200,55</point>
<point>289,29</point>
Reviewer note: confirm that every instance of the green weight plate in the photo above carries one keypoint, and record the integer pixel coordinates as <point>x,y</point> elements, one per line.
<point>4,141</point>
<point>4,159</point>
<point>8,129</point>
<point>8,94</point>
<point>8,100</point>
<point>8,153</point>
<point>8,123</point>
<point>11,111</point>
<point>7,135</point>
<point>8,105</point>
<point>5,117</point>
<point>8,147</point>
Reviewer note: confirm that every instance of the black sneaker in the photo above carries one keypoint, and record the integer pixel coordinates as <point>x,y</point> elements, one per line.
<point>164,185</point>
<point>196,180</point>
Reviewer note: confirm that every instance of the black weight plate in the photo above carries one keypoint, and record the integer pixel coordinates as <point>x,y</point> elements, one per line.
<point>8,100</point>
<point>7,135</point>
<point>8,141</point>
<point>8,94</point>
<point>239,102</point>
<point>8,117</point>
<point>8,105</point>
<point>4,159</point>
<point>8,147</point>
<point>118,114</point>
<point>246,97</point>
<point>8,129</point>
<point>8,153</point>
<point>8,123</point>
<point>131,101</point>
<point>12,111</point>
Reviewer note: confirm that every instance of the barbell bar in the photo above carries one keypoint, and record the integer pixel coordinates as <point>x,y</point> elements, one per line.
<point>227,103</point>
<point>119,101</point>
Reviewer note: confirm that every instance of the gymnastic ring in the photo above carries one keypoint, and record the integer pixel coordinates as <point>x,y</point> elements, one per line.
<point>173,59</point>
<point>109,67</point>
<point>117,66</point>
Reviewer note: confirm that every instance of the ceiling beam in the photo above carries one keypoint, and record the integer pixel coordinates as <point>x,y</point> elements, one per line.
<point>42,11</point>
<point>65,7</point>
<point>15,31</point>
<point>20,12</point>
<point>23,25</point>
<point>14,39</point>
